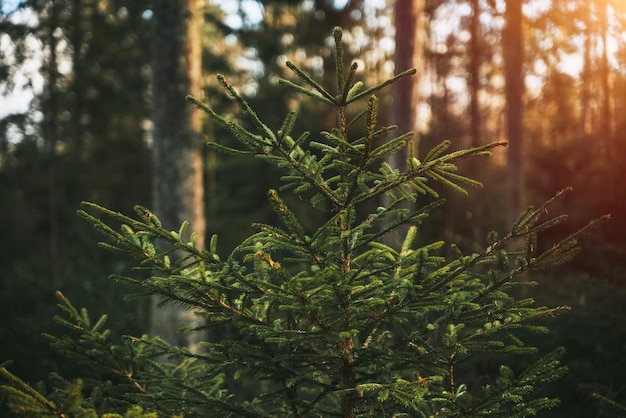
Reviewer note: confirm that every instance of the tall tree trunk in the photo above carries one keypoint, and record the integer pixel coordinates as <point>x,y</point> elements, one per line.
<point>51,137</point>
<point>608,105</point>
<point>474,76</point>
<point>513,50</point>
<point>178,168</point>
<point>408,54</point>
<point>79,65</point>
<point>586,79</point>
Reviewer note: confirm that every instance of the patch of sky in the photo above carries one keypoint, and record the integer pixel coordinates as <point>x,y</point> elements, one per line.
<point>9,6</point>
<point>240,13</point>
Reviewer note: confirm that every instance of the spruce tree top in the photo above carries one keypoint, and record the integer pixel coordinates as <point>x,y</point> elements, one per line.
<point>332,321</point>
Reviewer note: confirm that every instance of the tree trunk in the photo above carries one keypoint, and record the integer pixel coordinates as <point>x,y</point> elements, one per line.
<point>178,168</point>
<point>513,49</point>
<point>404,93</point>
<point>51,137</point>
<point>79,66</point>
<point>474,76</point>
<point>608,104</point>
<point>586,79</point>
<point>408,54</point>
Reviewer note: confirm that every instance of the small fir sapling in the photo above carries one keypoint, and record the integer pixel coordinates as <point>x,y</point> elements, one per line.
<point>326,320</point>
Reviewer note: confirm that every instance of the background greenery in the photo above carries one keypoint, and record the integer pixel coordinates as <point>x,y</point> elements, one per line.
<point>86,136</point>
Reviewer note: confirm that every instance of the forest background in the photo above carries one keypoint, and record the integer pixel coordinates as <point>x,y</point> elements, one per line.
<point>87,135</point>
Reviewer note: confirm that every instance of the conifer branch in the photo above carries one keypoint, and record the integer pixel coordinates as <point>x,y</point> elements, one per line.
<point>24,398</point>
<point>374,89</point>
<point>321,97</point>
<point>324,95</point>
<point>339,60</point>
<point>348,83</point>
<point>611,403</point>
<point>267,132</point>
<point>394,182</point>
<point>290,219</point>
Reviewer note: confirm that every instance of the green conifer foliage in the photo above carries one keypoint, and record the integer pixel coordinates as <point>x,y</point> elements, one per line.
<point>330,321</point>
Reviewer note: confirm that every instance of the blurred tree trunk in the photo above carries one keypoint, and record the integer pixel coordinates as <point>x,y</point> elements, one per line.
<point>408,54</point>
<point>404,93</point>
<point>586,75</point>
<point>513,50</point>
<point>586,81</point>
<point>474,76</point>
<point>178,172</point>
<point>79,66</point>
<point>50,131</point>
<point>608,104</point>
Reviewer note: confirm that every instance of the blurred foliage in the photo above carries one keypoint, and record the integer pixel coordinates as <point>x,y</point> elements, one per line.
<point>82,137</point>
<point>595,339</point>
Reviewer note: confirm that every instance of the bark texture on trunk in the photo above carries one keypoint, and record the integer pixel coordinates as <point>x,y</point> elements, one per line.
<point>177,156</point>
